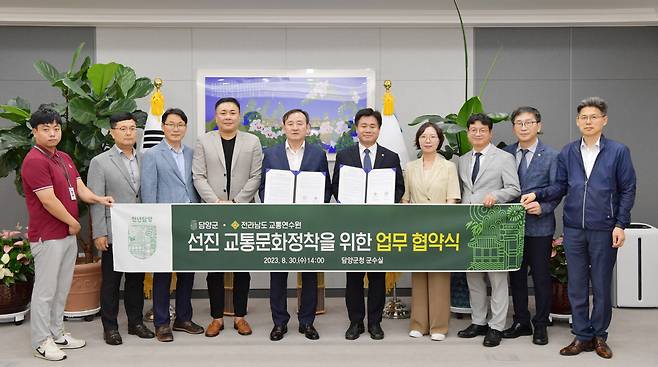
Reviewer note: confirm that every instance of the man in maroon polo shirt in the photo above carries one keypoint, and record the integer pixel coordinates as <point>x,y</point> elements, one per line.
<point>52,186</point>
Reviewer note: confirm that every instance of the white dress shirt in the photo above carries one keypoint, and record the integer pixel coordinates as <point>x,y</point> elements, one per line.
<point>482,157</point>
<point>295,158</point>
<point>589,155</point>
<point>373,153</point>
<point>528,156</point>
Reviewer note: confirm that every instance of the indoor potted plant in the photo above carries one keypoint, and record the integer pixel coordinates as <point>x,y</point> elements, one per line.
<point>16,272</point>
<point>558,267</point>
<point>91,94</point>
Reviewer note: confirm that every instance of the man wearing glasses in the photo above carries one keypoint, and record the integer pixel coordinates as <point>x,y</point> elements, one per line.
<point>488,176</point>
<point>597,176</point>
<point>536,165</point>
<point>124,188</point>
<point>167,178</point>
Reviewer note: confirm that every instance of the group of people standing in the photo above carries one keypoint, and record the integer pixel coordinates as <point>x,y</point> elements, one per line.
<point>228,166</point>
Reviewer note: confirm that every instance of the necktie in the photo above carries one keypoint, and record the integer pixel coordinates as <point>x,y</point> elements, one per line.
<point>476,167</point>
<point>367,163</point>
<point>523,166</point>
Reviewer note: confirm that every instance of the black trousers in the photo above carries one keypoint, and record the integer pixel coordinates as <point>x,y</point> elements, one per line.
<point>215,283</point>
<point>133,294</point>
<point>278,298</point>
<point>536,255</point>
<point>356,308</point>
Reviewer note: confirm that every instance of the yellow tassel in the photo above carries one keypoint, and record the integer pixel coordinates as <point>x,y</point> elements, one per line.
<point>148,285</point>
<point>391,279</point>
<point>388,99</point>
<point>157,103</point>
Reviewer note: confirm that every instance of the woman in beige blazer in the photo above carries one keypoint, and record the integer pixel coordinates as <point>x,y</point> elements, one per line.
<point>430,179</point>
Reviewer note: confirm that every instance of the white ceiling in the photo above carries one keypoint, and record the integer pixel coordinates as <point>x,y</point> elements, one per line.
<point>328,12</point>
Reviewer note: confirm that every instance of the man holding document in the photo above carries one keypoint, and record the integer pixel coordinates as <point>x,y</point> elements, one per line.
<point>294,172</point>
<point>367,173</point>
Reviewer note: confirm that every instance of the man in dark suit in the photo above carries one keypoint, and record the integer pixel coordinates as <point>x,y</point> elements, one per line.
<point>536,165</point>
<point>166,177</point>
<point>597,176</point>
<point>295,155</point>
<point>367,154</point>
<point>116,173</point>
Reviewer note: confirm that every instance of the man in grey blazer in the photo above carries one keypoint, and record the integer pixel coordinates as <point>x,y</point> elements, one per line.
<point>227,168</point>
<point>116,173</point>
<point>167,178</point>
<point>487,176</point>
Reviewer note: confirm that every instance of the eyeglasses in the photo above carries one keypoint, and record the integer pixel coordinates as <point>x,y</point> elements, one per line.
<point>526,123</point>
<point>172,126</point>
<point>125,130</point>
<point>476,131</point>
<point>593,118</point>
<point>428,137</point>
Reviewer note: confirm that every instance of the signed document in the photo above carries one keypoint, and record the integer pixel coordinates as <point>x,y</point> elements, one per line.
<point>279,187</point>
<point>381,186</point>
<point>287,187</point>
<point>310,187</point>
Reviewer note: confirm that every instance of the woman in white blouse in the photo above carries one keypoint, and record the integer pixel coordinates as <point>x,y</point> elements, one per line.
<point>430,179</point>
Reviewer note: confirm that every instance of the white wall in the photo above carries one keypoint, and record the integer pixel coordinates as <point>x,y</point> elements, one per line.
<point>425,65</point>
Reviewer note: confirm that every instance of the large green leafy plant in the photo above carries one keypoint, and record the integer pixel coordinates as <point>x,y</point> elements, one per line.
<point>91,94</point>
<point>454,124</point>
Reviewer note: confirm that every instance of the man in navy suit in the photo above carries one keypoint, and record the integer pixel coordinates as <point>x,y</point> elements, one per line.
<point>295,155</point>
<point>166,177</point>
<point>367,154</point>
<point>536,163</point>
<point>597,176</point>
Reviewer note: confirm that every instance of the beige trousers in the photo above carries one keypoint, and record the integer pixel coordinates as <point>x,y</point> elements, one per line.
<point>430,302</point>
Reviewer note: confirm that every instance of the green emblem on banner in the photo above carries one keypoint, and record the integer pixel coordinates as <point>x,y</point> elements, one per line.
<point>142,237</point>
<point>497,242</point>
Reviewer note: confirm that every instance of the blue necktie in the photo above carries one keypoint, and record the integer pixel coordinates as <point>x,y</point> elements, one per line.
<point>476,167</point>
<point>367,163</point>
<point>523,166</point>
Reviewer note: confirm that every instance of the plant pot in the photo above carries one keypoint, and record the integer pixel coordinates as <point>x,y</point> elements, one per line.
<point>560,298</point>
<point>85,288</point>
<point>15,298</point>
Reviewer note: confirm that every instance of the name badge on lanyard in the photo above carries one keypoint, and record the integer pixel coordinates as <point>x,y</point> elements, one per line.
<point>61,165</point>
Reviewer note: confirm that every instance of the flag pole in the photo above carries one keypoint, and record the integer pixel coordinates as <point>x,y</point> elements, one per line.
<point>395,308</point>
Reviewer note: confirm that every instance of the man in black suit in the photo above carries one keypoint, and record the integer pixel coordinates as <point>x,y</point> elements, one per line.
<point>295,154</point>
<point>367,154</point>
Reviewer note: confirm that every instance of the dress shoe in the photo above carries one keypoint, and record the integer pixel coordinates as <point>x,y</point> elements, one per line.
<point>438,337</point>
<point>112,337</point>
<point>376,331</point>
<point>215,327</point>
<point>141,331</point>
<point>602,348</point>
<point>309,331</point>
<point>164,334</point>
<point>242,326</point>
<point>493,337</point>
<point>540,336</point>
<point>576,347</point>
<point>278,332</point>
<point>187,326</point>
<point>473,330</point>
<point>415,334</point>
<point>355,329</point>
<point>516,330</point>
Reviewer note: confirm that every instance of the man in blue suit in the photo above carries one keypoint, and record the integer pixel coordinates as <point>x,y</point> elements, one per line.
<point>536,163</point>
<point>597,176</point>
<point>166,177</point>
<point>295,155</point>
